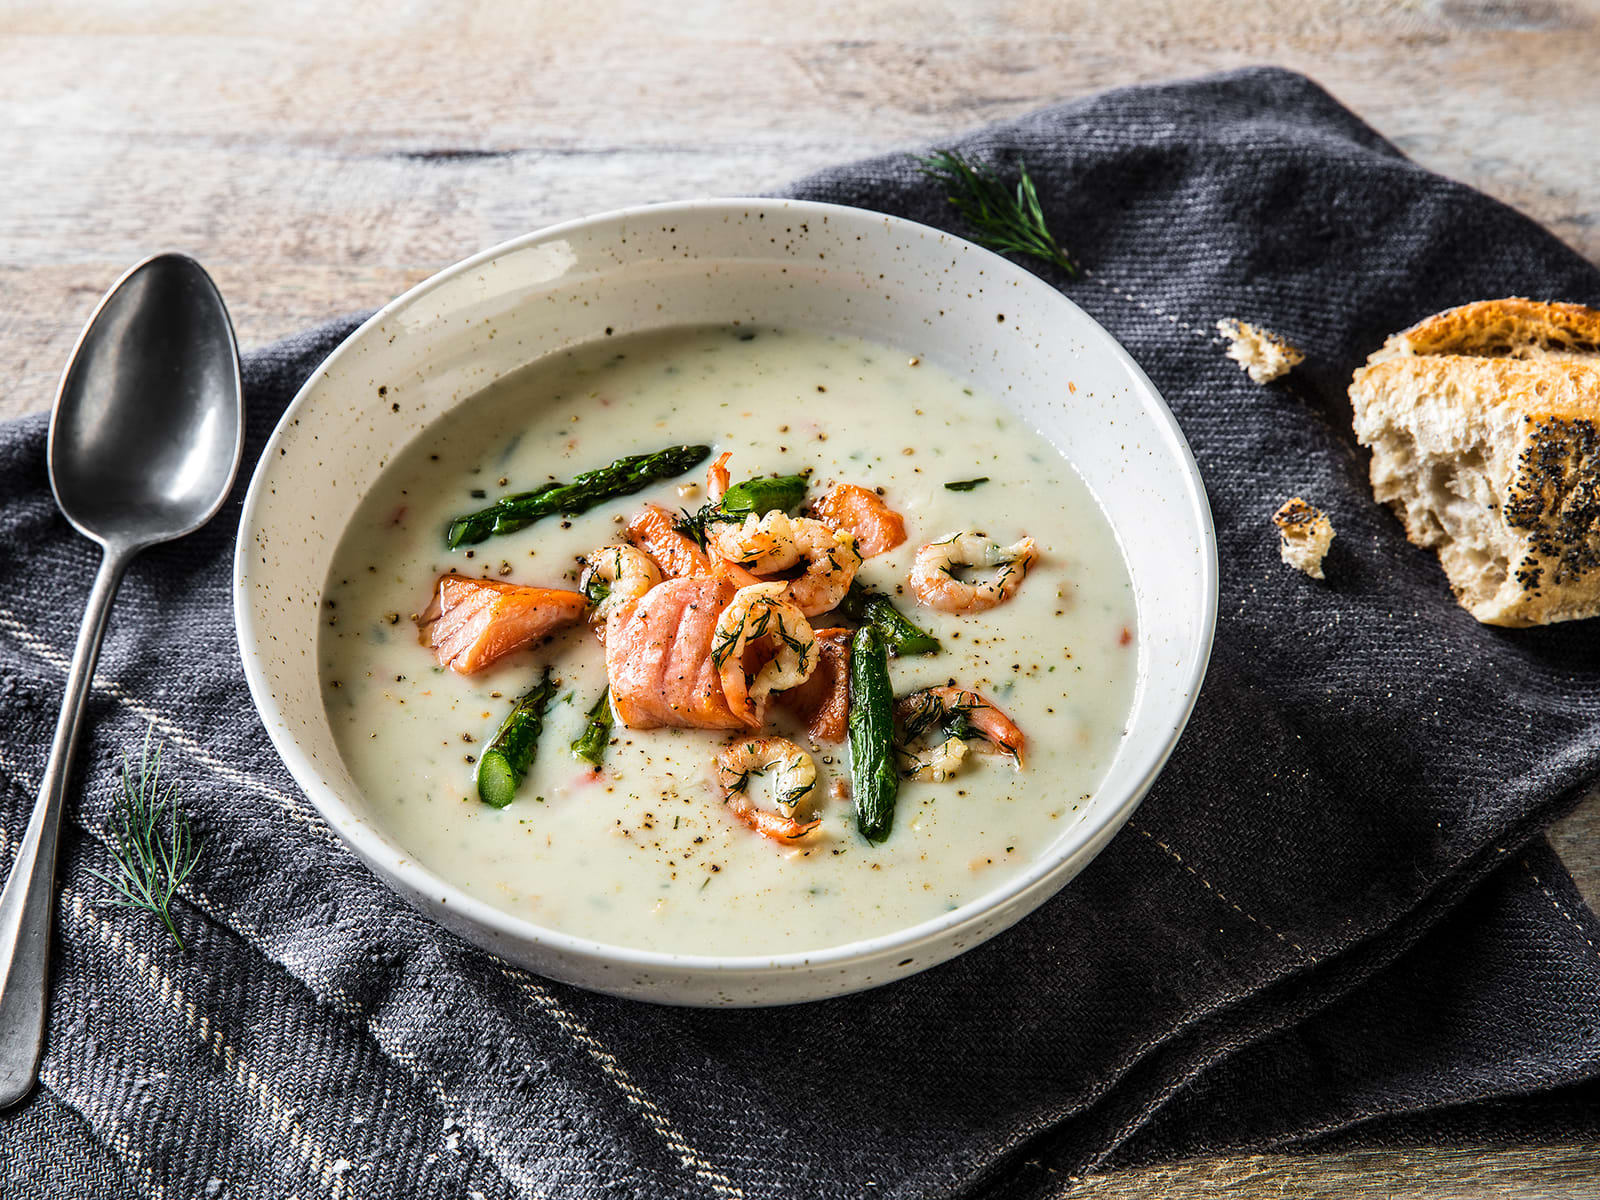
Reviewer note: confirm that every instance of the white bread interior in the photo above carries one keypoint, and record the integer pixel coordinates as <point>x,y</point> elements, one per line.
<point>1484,426</point>
<point>1262,354</point>
<point>1304,535</point>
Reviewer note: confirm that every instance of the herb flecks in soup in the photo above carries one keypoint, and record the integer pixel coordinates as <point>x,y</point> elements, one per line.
<point>730,800</point>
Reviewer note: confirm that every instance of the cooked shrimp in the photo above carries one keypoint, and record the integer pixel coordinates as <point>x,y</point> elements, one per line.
<point>961,713</point>
<point>762,545</point>
<point>760,613</point>
<point>937,764</point>
<point>795,780</point>
<point>933,576</point>
<point>717,477</point>
<point>831,560</point>
<point>623,574</point>
<point>860,513</point>
<point>776,541</point>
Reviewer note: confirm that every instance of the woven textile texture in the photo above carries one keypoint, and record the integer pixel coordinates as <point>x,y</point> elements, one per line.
<point>1334,917</point>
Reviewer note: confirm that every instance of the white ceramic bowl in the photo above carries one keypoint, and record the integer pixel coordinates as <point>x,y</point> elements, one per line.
<point>774,262</point>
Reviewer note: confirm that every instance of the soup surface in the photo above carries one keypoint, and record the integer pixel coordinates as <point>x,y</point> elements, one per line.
<point>644,852</point>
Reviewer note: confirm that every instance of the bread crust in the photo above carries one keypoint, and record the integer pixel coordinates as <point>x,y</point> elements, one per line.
<point>1494,462</point>
<point>1515,327</point>
<point>1304,535</point>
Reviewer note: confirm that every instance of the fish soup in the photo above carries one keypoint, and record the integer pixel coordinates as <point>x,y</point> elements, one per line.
<point>717,814</point>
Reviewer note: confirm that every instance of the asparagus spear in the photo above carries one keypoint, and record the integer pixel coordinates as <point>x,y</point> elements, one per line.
<point>591,747</point>
<point>863,604</point>
<point>761,496</point>
<point>507,757</point>
<point>873,779</point>
<point>622,478</point>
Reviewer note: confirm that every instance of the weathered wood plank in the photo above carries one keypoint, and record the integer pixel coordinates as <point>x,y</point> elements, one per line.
<point>1453,1173</point>
<point>1576,839</point>
<point>394,146</point>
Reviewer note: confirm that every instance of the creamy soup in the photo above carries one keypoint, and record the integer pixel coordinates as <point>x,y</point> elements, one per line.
<point>644,852</point>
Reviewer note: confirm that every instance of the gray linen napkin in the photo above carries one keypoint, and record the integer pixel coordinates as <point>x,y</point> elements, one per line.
<point>1334,917</point>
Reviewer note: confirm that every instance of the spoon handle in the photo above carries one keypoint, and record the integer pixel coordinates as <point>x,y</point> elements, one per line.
<point>29,896</point>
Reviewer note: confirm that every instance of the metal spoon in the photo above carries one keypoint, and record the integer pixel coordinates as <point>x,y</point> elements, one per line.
<point>144,444</point>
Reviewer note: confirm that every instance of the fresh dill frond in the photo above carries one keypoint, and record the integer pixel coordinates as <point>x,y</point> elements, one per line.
<point>693,525</point>
<point>1009,221</point>
<point>696,526</point>
<point>153,846</point>
<point>724,647</point>
<point>596,589</point>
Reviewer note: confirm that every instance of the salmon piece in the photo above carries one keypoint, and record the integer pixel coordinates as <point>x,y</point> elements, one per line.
<point>733,573</point>
<point>823,700</point>
<point>471,623</point>
<point>678,557</point>
<point>658,657</point>
<point>861,513</point>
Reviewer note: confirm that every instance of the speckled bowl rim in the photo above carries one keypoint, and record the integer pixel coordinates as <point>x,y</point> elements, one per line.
<point>374,846</point>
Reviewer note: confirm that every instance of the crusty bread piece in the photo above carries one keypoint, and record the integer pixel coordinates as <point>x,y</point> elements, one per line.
<point>1304,535</point>
<point>1262,354</point>
<point>1484,426</point>
<point>1510,328</point>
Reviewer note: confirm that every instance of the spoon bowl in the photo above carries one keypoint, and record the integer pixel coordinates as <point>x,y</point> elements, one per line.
<point>147,427</point>
<point>145,440</point>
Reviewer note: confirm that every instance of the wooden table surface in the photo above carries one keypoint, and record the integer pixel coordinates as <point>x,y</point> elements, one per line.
<point>320,157</point>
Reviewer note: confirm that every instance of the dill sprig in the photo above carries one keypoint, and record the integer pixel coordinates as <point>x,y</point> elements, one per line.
<point>153,846</point>
<point>693,524</point>
<point>1007,221</point>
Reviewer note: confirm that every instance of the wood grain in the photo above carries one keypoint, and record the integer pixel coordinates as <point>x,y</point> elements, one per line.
<point>1454,1173</point>
<point>320,158</point>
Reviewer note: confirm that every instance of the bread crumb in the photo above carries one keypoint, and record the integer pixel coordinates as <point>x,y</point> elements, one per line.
<point>1263,354</point>
<point>1304,534</point>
